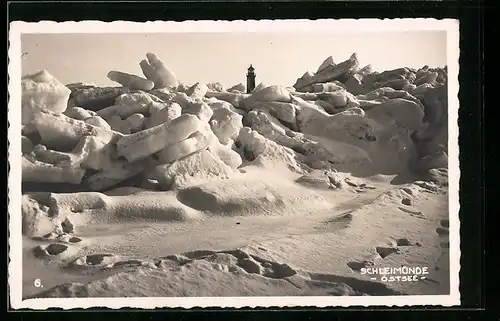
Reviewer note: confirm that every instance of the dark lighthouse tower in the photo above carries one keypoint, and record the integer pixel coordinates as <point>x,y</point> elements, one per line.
<point>250,79</point>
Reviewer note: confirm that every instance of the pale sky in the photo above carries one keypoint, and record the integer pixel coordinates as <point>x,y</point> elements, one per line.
<point>224,57</point>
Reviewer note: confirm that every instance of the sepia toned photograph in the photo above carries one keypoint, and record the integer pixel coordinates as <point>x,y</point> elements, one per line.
<point>233,164</point>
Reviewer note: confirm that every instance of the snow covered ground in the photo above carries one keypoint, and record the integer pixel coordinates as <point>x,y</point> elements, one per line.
<point>158,188</point>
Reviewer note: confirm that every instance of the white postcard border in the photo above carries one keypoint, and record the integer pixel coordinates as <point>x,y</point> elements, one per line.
<point>297,26</point>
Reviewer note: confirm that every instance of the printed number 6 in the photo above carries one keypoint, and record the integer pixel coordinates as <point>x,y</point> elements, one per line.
<point>37,283</point>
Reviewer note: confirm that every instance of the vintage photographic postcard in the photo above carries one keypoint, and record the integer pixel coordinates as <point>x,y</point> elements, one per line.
<point>234,164</point>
